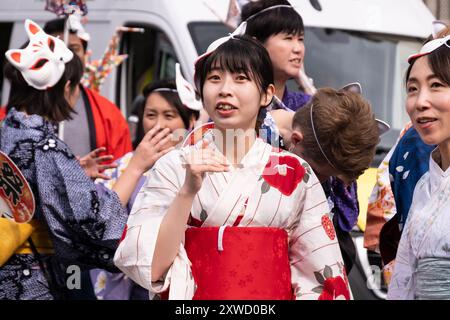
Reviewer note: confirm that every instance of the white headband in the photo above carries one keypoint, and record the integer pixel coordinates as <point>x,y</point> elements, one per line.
<point>42,62</point>
<point>268,9</point>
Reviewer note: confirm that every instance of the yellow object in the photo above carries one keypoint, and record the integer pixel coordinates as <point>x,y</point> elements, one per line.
<point>14,238</point>
<point>365,183</point>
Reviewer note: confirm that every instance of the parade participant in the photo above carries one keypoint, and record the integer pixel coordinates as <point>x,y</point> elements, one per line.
<point>280,29</point>
<point>231,217</point>
<point>83,222</point>
<point>390,202</point>
<point>162,108</point>
<point>97,122</point>
<point>421,269</point>
<point>342,145</point>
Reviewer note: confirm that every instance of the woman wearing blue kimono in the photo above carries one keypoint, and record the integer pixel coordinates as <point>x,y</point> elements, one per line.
<point>81,222</point>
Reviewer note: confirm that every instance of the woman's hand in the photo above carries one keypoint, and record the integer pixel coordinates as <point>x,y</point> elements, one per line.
<point>152,147</point>
<point>92,164</point>
<point>197,163</point>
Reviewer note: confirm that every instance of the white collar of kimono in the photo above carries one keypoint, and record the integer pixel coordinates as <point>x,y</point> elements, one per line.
<point>436,172</point>
<point>42,62</point>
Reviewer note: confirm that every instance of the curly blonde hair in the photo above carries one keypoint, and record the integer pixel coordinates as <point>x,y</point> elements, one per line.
<point>345,127</point>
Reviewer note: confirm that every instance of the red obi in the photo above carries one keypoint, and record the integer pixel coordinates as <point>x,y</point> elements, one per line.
<point>253,265</point>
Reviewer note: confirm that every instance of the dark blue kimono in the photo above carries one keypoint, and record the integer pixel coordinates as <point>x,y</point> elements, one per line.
<point>85,221</point>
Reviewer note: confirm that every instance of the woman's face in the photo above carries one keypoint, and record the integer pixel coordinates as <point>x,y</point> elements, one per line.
<point>232,100</point>
<point>428,103</point>
<point>158,111</point>
<point>286,52</point>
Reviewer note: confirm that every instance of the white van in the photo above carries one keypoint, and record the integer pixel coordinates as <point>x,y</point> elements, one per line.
<point>346,41</point>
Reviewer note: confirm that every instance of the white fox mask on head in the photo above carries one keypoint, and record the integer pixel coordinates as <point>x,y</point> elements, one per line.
<point>186,91</point>
<point>42,62</point>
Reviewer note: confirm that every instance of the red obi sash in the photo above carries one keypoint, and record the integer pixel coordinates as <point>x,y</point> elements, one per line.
<point>254,263</point>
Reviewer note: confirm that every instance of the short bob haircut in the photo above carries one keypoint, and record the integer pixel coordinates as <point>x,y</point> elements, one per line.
<point>239,54</point>
<point>346,129</point>
<point>50,103</point>
<point>172,98</point>
<point>271,22</point>
<point>438,60</point>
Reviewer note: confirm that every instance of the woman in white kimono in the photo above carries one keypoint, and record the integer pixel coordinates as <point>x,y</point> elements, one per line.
<point>422,265</point>
<point>231,217</point>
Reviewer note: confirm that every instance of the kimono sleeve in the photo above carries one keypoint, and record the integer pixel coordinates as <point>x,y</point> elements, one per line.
<point>402,283</point>
<point>317,268</point>
<point>135,252</point>
<point>85,220</point>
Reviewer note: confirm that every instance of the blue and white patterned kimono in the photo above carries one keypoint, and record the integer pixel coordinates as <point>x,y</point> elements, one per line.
<point>85,222</point>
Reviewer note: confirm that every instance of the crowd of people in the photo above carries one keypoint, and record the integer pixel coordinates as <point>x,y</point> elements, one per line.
<point>256,203</point>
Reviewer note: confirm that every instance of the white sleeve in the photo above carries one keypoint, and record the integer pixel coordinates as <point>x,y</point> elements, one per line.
<point>135,252</point>
<point>402,283</point>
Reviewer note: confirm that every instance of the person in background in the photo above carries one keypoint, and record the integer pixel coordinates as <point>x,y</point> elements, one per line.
<point>280,29</point>
<point>80,221</point>
<point>97,122</point>
<point>422,263</point>
<point>161,108</point>
<point>342,145</point>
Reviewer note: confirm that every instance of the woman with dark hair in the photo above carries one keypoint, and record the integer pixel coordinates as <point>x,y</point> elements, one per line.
<point>77,223</point>
<point>280,29</point>
<point>422,264</point>
<point>228,216</point>
<point>161,108</point>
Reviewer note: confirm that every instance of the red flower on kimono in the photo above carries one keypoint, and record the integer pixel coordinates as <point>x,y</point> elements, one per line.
<point>328,226</point>
<point>335,289</point>
<point>283,173</point>
<point>331,288</point>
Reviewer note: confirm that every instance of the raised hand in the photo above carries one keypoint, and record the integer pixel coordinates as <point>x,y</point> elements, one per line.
<point>152,147</point>
<point>198,162</point>
<point>93,164</point>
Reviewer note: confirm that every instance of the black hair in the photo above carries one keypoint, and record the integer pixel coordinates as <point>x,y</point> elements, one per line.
<point>55,26</point>
<point>271,22</point>
<point>241,54</point>
<point>172,98</point>
<point>50,103</point>
<point>439,62</point>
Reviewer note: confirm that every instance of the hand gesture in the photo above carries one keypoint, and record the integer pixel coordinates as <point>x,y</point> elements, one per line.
<point>92,164</point>
<point>152,147</point>
<point>198,162</point>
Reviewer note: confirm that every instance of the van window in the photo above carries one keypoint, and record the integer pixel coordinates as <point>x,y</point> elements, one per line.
<point>151,57</point>
<point>5,36</point>
<point>204,33</point>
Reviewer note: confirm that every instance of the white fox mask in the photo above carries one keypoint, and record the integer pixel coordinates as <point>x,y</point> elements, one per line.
<point>42,62</point>
<point>186,91</point>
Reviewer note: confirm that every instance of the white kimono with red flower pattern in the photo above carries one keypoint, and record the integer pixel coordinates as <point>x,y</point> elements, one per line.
<point>270,188</point>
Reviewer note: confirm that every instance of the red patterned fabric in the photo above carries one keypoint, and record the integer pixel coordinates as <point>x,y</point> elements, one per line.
<point>254,263</point>
<point>284,173</point>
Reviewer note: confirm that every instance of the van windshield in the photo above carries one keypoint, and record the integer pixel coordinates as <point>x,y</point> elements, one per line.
<point>335,58</point>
